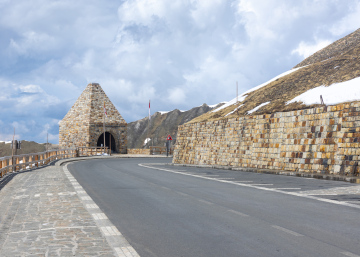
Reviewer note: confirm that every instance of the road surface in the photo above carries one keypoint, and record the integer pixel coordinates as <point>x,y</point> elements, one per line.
<point>165,210</point>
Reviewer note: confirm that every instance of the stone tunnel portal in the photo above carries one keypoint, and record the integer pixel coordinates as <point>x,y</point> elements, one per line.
<point>109,141</point>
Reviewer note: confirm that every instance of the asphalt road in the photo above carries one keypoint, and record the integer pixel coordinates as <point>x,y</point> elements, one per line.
<point>165,210</point>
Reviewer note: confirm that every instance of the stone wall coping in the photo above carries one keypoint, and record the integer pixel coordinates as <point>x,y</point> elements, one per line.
<point>114,156</point>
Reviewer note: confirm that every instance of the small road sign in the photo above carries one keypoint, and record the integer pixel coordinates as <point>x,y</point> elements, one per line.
<point>169,137</point>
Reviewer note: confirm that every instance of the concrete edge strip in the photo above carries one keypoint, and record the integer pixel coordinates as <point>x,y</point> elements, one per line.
<point>114,238</point>
<point>258,187</point>
<point>351,179</point>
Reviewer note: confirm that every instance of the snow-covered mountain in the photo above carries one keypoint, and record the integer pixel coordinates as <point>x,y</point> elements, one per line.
<point>332,73</point>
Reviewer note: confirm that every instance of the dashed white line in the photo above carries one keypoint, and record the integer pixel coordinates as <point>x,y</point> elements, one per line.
<point>288,188</point>
<point>99,216</point>
<point>350,254</point>
<point>92,206</point>
<point>299,194</point>
<point>204,201</point>
<point>261,184</point>
<point>112,234</point>
<point>126,252</point>
<point>238,213</point>
<point>110,231</point>
<point>287,231</point>
<point>183,194</point>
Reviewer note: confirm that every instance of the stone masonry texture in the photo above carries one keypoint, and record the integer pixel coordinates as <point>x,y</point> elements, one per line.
<point>83,124</point>
<point>42,215</point>
<point>318,140</point>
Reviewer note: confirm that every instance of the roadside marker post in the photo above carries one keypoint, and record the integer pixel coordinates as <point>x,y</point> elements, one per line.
<point>168,142</point>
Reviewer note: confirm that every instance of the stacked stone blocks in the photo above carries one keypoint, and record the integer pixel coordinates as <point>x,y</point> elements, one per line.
<point>318,140</point>
<point>83,124</point>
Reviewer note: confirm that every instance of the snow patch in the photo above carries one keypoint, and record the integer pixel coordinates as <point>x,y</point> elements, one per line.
<point>137,125</point>
<point>147,140</point>
<point>163,112</point>
<point>6,142</point>
<point>334,94</point>
<point>244,95</point>
<point>258,107</point>
<point>237,108</point>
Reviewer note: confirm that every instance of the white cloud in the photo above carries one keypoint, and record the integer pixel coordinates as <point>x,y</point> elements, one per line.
<point>179,54</point>
<point>33,89</point>
<point>177,96</point>
<point>306,49</point>
<point>349,22</point>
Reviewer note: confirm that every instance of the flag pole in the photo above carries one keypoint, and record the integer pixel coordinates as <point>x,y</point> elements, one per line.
<point>12,152</point>
<point>149,123</point>
<point>104,125</point>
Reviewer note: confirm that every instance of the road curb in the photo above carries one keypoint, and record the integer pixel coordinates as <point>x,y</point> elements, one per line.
<point>113,236</point>
<point>351,179</point>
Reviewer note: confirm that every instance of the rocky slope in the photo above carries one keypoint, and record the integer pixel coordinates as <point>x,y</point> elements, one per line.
<point>336,63</point>
<point>26,147</point>
<point>161,125</point>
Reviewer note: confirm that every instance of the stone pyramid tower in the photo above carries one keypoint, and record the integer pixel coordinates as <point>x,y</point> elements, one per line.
<point>82,126</point>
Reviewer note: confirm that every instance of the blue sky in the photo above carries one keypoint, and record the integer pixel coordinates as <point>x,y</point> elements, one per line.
<point>179,54</point>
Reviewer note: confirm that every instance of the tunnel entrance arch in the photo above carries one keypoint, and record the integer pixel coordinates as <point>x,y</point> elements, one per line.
<point>109,141</point>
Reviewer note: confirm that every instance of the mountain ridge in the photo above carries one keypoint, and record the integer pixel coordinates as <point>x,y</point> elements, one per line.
<point>336,63</point>
<point>161,125</point>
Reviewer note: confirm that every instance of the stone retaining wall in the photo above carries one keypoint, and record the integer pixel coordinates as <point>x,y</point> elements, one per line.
<point>138,151</point>
<point>319,140</point>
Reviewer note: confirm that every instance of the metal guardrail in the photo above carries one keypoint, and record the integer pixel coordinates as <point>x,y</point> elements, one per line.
<point>23,162</point>
<point>33,160</point>
<point>90,151</point>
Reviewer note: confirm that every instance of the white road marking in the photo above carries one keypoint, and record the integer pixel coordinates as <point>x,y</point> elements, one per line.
<point>110,231</point>
<point>204,201</point>
<point>287,231</point>
<point>99,216</point>
<point>239,213</point>
<point>67,193</point>
<point>183,194</point>
<point>243,181</point>
<point>166,188</point>
<point>126,252</point>
<point>92,206</point>
<point>350,254</point>
<point>49,194</point>
<point>262,184</point>
<point>260,188</point>
<point>289,188</point>
<point>37,195</point>
<point>211,175</point>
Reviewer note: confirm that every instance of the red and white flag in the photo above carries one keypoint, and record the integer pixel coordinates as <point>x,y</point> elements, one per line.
<point>105,110</point>
<point>149,110</point>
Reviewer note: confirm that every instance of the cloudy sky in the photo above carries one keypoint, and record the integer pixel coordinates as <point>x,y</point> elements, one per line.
<point>178,53</point>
